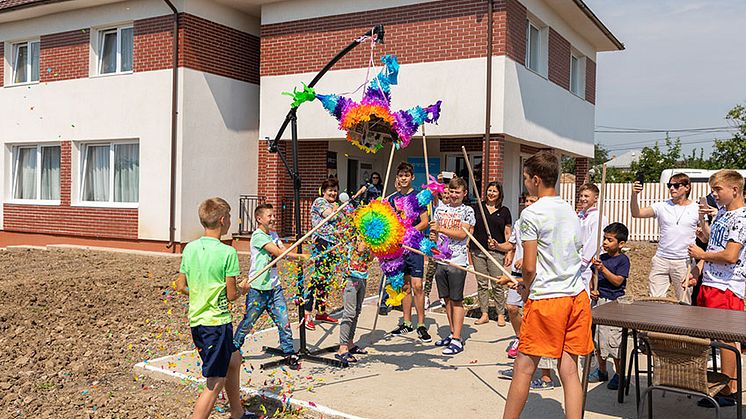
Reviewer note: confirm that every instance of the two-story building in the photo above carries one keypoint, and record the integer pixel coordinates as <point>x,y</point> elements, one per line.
<point>90,133</point>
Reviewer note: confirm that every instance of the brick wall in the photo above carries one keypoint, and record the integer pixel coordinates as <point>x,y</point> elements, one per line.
<point>115,223</point>
<point>559,59</point>
<point>64,55</point>
<point>2,63</point>
<point>582,165</point>
<point>213,48</point>
<point>515,37</point>
<point>590,80</point>
<point>153,43</point>
<point>434,31</point>
<point>276,185</point>
<point>454,145</point>
<point>496,151</point>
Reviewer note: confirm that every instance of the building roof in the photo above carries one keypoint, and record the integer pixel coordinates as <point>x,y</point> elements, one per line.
<point>625,160</point>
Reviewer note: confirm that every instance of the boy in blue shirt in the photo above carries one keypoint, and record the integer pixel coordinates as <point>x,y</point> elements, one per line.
<point>613,270</point>
<point>208,276</point>
<point>265,292</point>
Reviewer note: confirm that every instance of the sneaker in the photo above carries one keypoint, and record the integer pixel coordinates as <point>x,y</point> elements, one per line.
<point>539,384</point>
<point>613,384</point>
<point>723,401</point>
<point>510,345</point>
<point>293,361</point>
<point>324,317</point>
<point>506,374</point>
<point>308,323</point>
<point>597,376</point>
<point>427,303</point>
<point>423,335</point>
<point>383,311</point>
<point>401,330</point>
<point>513,350</point>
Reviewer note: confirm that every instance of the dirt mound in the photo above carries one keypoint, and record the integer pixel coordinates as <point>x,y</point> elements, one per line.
<point>73,323</point>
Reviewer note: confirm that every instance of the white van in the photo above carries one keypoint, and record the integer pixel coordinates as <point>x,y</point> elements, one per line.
<point>696,175</point>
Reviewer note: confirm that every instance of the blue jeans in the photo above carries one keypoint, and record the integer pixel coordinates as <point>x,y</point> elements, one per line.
<point>273,302</point>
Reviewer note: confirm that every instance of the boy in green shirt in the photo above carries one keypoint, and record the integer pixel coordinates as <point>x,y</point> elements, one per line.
<point>208,276</point>
<point>265,292</point>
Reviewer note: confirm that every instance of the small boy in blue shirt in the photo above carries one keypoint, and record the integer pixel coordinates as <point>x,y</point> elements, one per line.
<point>208,276</point>
<point>613,270</point>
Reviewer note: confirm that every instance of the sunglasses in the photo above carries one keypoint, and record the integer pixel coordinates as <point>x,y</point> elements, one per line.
<point>676,185</point>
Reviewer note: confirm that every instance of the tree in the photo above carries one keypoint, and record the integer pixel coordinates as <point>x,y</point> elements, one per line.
<point>653,160</point>
<point>601,156</point>
<point>731,153</point>
<point>697,162</point>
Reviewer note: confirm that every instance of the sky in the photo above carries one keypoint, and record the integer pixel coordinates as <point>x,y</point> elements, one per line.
<point>684,67</point>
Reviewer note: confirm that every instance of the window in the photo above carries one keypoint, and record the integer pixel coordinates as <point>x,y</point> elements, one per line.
<point>533,47</point>
<point>577,74</point>
<point>36,172</point>
<point>25,62</point>
<point>115,50</point>
<point>111,172</point>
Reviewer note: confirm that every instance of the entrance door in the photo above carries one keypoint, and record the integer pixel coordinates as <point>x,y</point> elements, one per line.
<point>352,173</point>
<point>455,163</point>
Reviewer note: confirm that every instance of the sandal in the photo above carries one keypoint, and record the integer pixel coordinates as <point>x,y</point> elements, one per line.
<point>443,342</point>
<point>356,350</point>
<point>345,357</point>
<point>453,349</point>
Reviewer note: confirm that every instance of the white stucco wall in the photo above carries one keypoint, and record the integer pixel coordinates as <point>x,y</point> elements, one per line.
<point>131,106</point>
<point>219,136</point>
<point>541,112</point>
<point>459,83</point>
<point>285,11</point>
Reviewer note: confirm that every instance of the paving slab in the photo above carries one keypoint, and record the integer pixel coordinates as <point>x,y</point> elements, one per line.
<point>403,377</point>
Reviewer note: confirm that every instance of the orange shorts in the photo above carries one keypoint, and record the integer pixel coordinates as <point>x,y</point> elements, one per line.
<point>555,325</point>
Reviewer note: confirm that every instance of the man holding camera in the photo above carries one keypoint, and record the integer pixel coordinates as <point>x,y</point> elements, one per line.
<point>677,223</point>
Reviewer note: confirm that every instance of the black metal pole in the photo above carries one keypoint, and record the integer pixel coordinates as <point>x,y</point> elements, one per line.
<point>296,217</point>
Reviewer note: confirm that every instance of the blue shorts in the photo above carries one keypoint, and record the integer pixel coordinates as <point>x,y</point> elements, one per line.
<point>215,347</point>
<point>414,265</point>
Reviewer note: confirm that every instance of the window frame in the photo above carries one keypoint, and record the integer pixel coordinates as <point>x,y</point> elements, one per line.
<point>14,175</point>
<point>99,50</point>
<point>580,80</point>
<point>110,203</point>
<point>542,46</point>
<point>14,50</point>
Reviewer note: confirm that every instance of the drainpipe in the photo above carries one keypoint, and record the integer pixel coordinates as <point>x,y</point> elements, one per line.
<point>488,102</point>
<point>174,116</point>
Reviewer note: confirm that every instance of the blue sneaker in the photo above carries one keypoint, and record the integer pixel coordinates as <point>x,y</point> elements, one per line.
<point>613,384</point>
<point>505,374</point>
<point>539,384</point>
<point>597,376</point>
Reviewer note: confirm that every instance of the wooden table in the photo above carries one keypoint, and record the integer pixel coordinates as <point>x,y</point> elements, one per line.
<point>701,322</point>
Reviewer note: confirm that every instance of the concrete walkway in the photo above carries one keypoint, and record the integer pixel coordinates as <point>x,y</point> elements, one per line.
<point>402,377</point>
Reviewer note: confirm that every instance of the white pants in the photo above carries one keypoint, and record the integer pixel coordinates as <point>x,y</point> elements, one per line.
<point>666,272</point>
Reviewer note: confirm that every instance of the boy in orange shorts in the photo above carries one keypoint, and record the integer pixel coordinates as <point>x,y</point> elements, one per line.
<point>557,311</point>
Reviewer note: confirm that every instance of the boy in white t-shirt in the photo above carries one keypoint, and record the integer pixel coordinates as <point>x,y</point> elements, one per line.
<point>449,220</point>
<point>723,265</point>
<point>677,222</point>
<point>588,215</point>
<point>557,310</point>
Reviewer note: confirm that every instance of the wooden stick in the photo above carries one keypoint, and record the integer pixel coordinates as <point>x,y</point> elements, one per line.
<point>489,256</point>
<point>388,170</point>
<point>424,150</point>
<point>248,281</point>
<point>600,232</point>
<point>451,264</point>
<point>476,192</point>
<point>325,252</point>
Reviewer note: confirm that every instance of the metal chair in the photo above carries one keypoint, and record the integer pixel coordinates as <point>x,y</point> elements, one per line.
<point>679,365</point>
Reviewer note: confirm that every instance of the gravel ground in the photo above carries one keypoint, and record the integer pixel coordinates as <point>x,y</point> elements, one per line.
<point>73,323</point>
